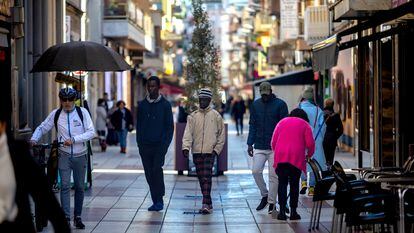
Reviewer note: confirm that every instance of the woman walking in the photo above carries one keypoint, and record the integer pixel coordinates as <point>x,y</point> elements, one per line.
<point>292,143</point>
<point>334,130</point>
<point>121,119</point>
<point>101,116</point>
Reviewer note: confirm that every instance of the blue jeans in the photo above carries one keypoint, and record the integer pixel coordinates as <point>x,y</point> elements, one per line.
<point>122,136</point>
<point>67,164</point>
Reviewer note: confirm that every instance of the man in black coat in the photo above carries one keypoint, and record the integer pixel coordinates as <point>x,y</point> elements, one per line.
<point>26,180</point>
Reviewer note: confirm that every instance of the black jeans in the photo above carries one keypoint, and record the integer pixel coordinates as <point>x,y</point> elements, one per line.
<point>153,159</point>
<point>329,147</point>
<point>287,173</point>
<point>239,123</point>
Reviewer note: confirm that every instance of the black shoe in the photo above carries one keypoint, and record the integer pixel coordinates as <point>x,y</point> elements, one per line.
<point>78,223</point>
<point>281,216</point>
<point>271,208</point>
<point>294,215</point>
<point>263,203</point>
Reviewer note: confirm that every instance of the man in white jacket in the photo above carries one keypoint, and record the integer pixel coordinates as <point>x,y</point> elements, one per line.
<point>204,135</point>
<point>74,129</point>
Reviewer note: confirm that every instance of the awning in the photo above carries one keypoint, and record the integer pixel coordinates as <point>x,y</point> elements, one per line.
<point>301,77</point>
<point>168,89</point>
<point>325,54</point>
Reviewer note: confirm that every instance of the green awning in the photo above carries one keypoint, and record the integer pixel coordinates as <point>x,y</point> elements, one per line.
<point>325,54</point>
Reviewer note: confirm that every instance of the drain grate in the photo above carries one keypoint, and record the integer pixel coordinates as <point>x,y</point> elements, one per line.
<point>194,196</point>
<point>191,212</point>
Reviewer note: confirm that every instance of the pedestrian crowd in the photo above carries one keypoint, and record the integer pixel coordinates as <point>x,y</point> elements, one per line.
<point>283,140</point>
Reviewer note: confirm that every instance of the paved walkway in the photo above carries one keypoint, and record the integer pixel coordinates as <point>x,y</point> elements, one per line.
<point>119,198</point>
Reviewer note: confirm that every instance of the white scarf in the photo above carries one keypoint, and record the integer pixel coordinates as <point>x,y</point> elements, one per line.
<point>151,101</point>
<point>8,207</point>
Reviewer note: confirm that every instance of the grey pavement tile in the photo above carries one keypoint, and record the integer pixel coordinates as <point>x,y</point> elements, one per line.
<point>216,228</point>
<point>270,228</point>
<point>129,202</point>
<point>144,216</point>
<point>249,228</point>
<point>113,227</point>
<point>103,202</point>
<point>174,228</point>
<point>93,214</point>
<point>143,228</point>
<point>120,215</point>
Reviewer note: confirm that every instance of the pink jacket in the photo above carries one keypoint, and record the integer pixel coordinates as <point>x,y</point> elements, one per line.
<point>292,140</point>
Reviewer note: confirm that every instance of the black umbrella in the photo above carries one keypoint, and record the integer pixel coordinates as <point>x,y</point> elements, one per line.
<point>80,56</point>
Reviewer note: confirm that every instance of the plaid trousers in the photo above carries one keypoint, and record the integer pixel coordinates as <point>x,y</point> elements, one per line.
<point>204,164</point>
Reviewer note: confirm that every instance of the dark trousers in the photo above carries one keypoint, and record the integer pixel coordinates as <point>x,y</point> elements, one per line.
<point>329,147</point>
<point>239,123</point>
<point>287,173</point>
<point>153,159</point>
<point>204,165</point>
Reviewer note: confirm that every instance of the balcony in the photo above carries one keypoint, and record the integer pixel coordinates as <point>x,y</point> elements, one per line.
<point>124,22</point>
<point>316,24</point>
<point>357,9</point>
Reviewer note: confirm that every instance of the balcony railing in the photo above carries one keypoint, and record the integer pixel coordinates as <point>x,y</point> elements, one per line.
<point>124,9</point>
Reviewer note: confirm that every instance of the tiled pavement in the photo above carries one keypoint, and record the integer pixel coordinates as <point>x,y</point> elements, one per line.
<point>119,198</point>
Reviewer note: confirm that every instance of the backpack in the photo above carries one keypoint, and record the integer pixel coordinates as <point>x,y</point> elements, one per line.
<point>57,114</point>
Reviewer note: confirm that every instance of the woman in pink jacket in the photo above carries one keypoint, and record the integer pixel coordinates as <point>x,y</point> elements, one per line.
<point>292,142</point>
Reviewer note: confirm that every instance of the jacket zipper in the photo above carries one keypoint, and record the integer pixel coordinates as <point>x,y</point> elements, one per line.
<point>202,140</point>
<point>70,136</point>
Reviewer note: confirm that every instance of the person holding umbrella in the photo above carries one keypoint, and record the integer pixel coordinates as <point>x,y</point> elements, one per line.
<point>74,128</point>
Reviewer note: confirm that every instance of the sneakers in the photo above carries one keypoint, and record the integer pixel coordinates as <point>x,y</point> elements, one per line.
<point>271,208</point>
<point>156,207</point>
<point>282,215</point>
<point>304,187</point>
<point>206,209</point>
<point>311,191</point>
<point>77,222</point>
<point>263,204</point>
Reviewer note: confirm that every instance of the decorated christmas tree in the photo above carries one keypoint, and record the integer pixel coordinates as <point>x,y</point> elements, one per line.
<point>203,64</point>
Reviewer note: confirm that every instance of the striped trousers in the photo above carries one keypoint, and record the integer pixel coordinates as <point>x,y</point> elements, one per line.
<point>204,164</point>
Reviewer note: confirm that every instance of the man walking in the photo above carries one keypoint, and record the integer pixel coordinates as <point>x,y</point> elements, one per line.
<point>204,135</point>
<point>265,113</point>
<point>155,127</point>
<point>74,128</point>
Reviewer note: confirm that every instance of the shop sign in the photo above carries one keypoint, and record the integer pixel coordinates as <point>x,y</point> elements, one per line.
<point>5,7</point>
<point>289,19</point>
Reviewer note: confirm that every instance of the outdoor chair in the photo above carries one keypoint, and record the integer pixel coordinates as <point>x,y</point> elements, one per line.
<point>361,204</point>
<point>322,193</point>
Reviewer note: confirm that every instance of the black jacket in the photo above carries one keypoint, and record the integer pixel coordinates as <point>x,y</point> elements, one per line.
<point>31,181</point>
<point>334,127</point>
<point>239,109</point>
<point>116,119</point>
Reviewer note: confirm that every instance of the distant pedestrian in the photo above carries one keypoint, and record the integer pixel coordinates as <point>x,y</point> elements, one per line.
<point>182,114</point>
<point>121,119</point>
<point>204,136</point>
<point>334,130</point>
<point>107,100</point>
<point>292,142</point>
<point>238,111</point>
<point>317,123</point>
<point>155,128</point>
<point>265,113</point>
<point>112,135</point>
<point>100,125</point>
